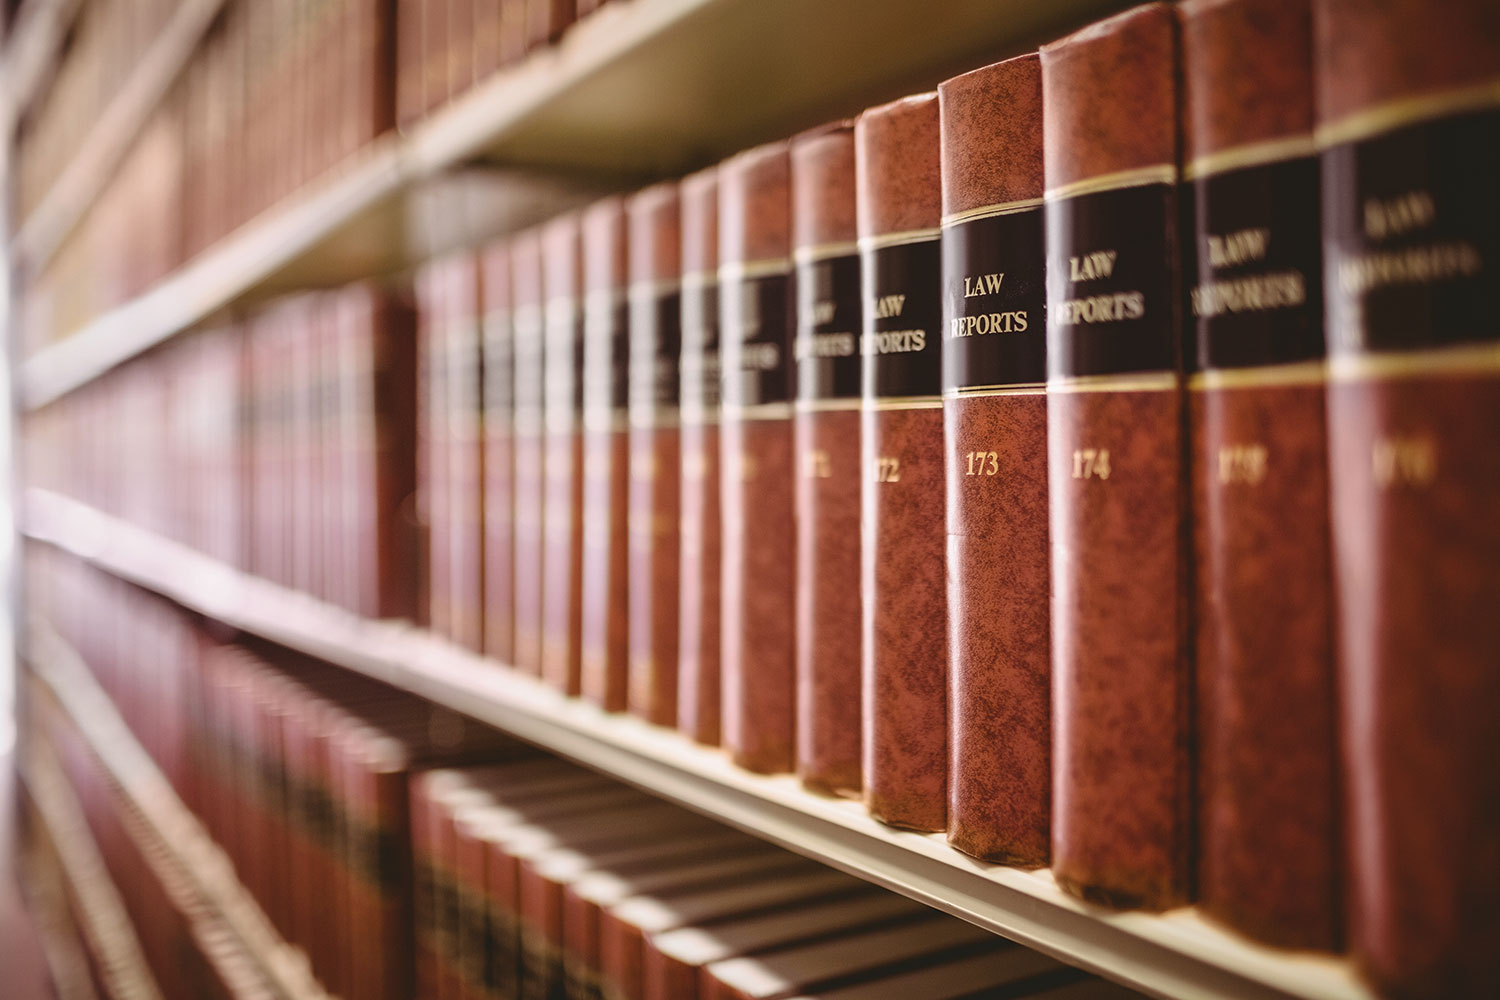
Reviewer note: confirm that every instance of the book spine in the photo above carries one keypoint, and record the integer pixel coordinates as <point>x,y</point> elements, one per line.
<point>698,677</point>
<point>499,442</point>
<point>995,457</point>
<point>562,561</point>
<point>605,475</point>
<point>529,443</point>
<point>1255,350</point>
<point>1409,131</point>
<point>1121,712</point>
<point>902,578</point>
<point>388,431</point>
<point>472,939</point>
<point>755,473</point>
<point>826,440</point>
<point>655,491</point>
<point>464,383</point>
<point>433,456</point>
<point>425,876</point>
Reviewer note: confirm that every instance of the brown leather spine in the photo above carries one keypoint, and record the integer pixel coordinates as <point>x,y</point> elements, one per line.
<point>999,630</point>
<point>528,443</point>
<point>904,620</point>
<point>655,500</point>
<point>1266,745</point>
<point>499,470</point>
<point>466,455</point>
<point>432,459</point>
<point>393,545</point>
<point>1121,708</point>
<point>1415,481</point>
<point>562,560</point>
<point>826,432</point>
<point>698,689</point>
<point>755,475</point>
<point>606,442</point>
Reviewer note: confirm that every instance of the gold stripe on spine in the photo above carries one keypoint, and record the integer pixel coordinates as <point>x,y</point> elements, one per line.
<point>898,239</point>
<point>742,270</point>
<point>905,403</point>
<point>1018,389</point>
<point>656,417</point>
<point>823,251</point>
<point>1255,154</point>
<point>654,289</point>
<point>758,411</point>
<point>1457,361</point>
<point>991,211</point>
<point>826,405</point>
<point>1407,111</point>
<point>1299,373</point>
<point>700,279</point>
<point>1160,173</point>
<point>1126,382</point>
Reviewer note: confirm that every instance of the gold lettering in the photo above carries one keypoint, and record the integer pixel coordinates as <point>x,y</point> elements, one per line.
<point>1255,293</point>
<point>1409,266</point>
<point>1014,321</point>
<point>1091,463</point>
<point>1408,460</point>
<point>1099,264</point>
<point>823,312</point>
<point>887,469</point>
<point>888,306</point>
<point>1103,308</point>
<point>1238,247</point>
<point>982,284</point>
<point>816,464</point>
<point>1242,463</point>
<point>1401,214</point>
<point>982,463</point>
<point>895,341</point>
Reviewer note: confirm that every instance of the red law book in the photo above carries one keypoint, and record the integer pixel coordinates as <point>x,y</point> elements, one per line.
<point>698,688</point>
<point>1266,744</point>
<point>605,473</point>
<point>826,448</point>
<point>463,388</point>
<point>1409,128</point>
<point>499,441</point>
<point>529,447</point>
<point>546,20</point>
<point>434,505</point>
<point>562,557</point>
<point>386,551</point>
<point>995,455</point>
<point>1122,804</point>
<point>758,531</point>
<point>905,651</point>
<point>655,493</point>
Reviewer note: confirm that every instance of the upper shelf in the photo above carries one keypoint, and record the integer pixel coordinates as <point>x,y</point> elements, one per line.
<point>639,89</point>
<point>1172,955</point>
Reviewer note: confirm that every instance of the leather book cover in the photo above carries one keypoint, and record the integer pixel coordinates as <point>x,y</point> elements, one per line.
<point>605,473</point>
<point>463,387</point>
<point>433,454</point>
<point>528,444</point>
<point>384,337</point>
<point>499,471</point>
<point>825,430</point>
<point>758,529</point>
<point>699,578</point>
<point>562,393</point>
<point>546,20</point>
<point>904,620</point>
<point>473,974</point>
<point>1122,722</point>
<point>426,878</point>
<point>1409,136</point>
<point>655,492</point>
<point>995,458</point>
<point>1254,349</point>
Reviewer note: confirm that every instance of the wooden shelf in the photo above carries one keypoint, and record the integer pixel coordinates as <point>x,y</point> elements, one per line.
<point>640,89</point>
<point>1172,955</point>
<point>228,926</point>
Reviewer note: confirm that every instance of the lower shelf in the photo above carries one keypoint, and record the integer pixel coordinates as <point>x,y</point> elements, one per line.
<point>1174,954</point>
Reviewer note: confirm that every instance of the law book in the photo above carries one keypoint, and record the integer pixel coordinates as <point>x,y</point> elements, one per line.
<point>434,480</point>
<point>902,565</point>
<point>826,447</point>
<point>654,503</point>
<point>994,374</point>
<point>757,530</point>
<point>498,431</point>
<point>1409,139</point>
<point>562,405</point>
<point>1122,724</point>
<point>464,387</point>
<point>546,20</point>
<point>528,443</point>
<point>605,471</point>
<point>1265,699</point>
<point>699,577</point>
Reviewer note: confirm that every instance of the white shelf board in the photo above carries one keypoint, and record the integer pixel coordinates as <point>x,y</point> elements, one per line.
<point>1177,954</point>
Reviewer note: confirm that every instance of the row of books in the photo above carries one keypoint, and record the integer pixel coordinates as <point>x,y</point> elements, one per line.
<point>926,456</point>
<point>400,874</point>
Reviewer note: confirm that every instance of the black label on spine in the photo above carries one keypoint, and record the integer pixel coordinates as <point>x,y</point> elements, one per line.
<point>499,376</point>
<point>563,358</point>
<point>1254,274</point>
<point>700,349</point>
<point>655,351</point>
<point>994,302</point>
<point>903,316</point>
<point>1111,304</point>
<point>606,352</point>
<point>756,342</point>
<point>1411,223</point>
<point>828,329</point>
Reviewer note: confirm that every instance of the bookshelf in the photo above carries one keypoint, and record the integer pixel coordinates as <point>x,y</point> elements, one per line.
<point>1170,955</point>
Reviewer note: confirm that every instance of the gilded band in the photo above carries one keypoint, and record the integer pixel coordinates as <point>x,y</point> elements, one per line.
<point>1124,382</point>
<point>884,240</point>
<point>1255,154</point>
<point>1459,360</point>
<point>1298,373</point>
<point>823,251</point>
<point>699,279</point>
<point>904,403</point>
<point>1018,389</point>
<point>991,211</point>
<point>654,289</point>
<point>826,405</point>
<point>741,270</point>
<point>1407,111</point>
<point>1161,173</point>
<point>757,411</point>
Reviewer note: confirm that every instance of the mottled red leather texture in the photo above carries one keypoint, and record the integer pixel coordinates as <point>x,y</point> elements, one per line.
<point>499,486</point>
<point>698,691</point>
<point>992,135</point>
<point>905,624</point>
<point>1000,790</point>
<point>1265,693</point>
<point>526,293</point>
<point>1122,804</point>
<point>828,608</point>
<point>562,553</point>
